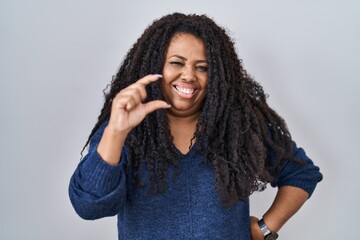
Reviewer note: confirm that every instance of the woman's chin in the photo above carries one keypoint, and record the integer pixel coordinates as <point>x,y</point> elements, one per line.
<point>182,111</point>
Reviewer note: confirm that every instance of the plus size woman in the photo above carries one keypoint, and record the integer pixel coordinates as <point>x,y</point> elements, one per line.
<point>185,136</point>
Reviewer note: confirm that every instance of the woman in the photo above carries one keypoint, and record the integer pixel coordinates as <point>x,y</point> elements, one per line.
<point>177,154</point>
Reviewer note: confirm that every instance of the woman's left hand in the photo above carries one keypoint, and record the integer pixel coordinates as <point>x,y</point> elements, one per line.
<point>255,232</point>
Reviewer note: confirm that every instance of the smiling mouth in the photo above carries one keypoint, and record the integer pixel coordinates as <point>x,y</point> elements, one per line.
<point>186,91</point>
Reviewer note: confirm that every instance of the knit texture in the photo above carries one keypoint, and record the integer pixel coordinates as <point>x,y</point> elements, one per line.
<point>189,209</point>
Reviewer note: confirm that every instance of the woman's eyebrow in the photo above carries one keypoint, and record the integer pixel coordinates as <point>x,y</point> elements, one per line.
<point>185,59</point>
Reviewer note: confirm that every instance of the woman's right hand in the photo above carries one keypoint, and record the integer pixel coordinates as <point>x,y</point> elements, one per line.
<point>128,108</point>
<point>127,111</point>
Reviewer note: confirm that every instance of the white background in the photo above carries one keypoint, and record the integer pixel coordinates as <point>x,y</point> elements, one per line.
<point>57,56</point>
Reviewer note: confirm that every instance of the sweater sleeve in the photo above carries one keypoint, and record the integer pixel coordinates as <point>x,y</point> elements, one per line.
<point>98,189</point>
<point>304,176</point>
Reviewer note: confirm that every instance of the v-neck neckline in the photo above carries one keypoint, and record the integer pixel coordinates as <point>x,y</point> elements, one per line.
<point>191,151</point>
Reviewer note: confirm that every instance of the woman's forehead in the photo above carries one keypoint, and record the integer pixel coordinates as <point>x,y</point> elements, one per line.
<point>188,43</point>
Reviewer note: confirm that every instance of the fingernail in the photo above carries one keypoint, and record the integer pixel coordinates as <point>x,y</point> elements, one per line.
<point>127,107</point>
<point>168,106</point>
<point>158,75</point>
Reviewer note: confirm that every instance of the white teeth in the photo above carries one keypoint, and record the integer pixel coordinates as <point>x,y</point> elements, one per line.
<point>185,90</point>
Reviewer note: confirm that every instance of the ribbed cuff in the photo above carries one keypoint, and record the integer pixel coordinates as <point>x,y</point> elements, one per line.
<point>308,186</point>
<point>99,177</point>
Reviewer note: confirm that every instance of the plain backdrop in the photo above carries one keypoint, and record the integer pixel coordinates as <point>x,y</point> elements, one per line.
<point>56,57</point>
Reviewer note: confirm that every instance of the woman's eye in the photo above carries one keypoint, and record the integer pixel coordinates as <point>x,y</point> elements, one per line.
<point>177,63</point>
<point>202,68</point>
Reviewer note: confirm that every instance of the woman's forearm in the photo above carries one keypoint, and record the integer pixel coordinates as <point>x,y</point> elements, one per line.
<point>287,202</point>
<point>110,146</point>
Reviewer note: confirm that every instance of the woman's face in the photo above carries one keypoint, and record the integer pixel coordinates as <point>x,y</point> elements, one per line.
<point>185,75</point>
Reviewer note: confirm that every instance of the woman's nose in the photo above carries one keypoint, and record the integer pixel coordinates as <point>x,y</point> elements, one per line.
<point>188,74</point>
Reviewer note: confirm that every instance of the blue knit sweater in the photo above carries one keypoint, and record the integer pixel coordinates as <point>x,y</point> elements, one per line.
<point>190,208</point>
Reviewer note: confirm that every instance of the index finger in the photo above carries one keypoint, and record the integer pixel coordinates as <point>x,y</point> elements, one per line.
<point>149,79</point>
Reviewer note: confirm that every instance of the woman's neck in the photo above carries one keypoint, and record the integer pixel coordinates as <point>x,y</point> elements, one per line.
<point>183,121</point>
<point>182,130</point>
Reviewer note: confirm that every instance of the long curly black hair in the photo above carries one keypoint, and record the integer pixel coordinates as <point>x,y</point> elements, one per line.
<point>247,129</point>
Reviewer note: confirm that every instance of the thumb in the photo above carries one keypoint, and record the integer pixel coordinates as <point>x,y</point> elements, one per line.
<point>155,105</point>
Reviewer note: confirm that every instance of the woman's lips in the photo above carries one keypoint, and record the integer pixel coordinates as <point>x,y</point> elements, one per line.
<point>185,91</point>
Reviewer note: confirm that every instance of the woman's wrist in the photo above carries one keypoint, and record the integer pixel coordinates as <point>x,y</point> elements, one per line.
<point>110,145</point>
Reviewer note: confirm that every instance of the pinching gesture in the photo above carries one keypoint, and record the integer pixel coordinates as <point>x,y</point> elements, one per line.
<point>127,111</point>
